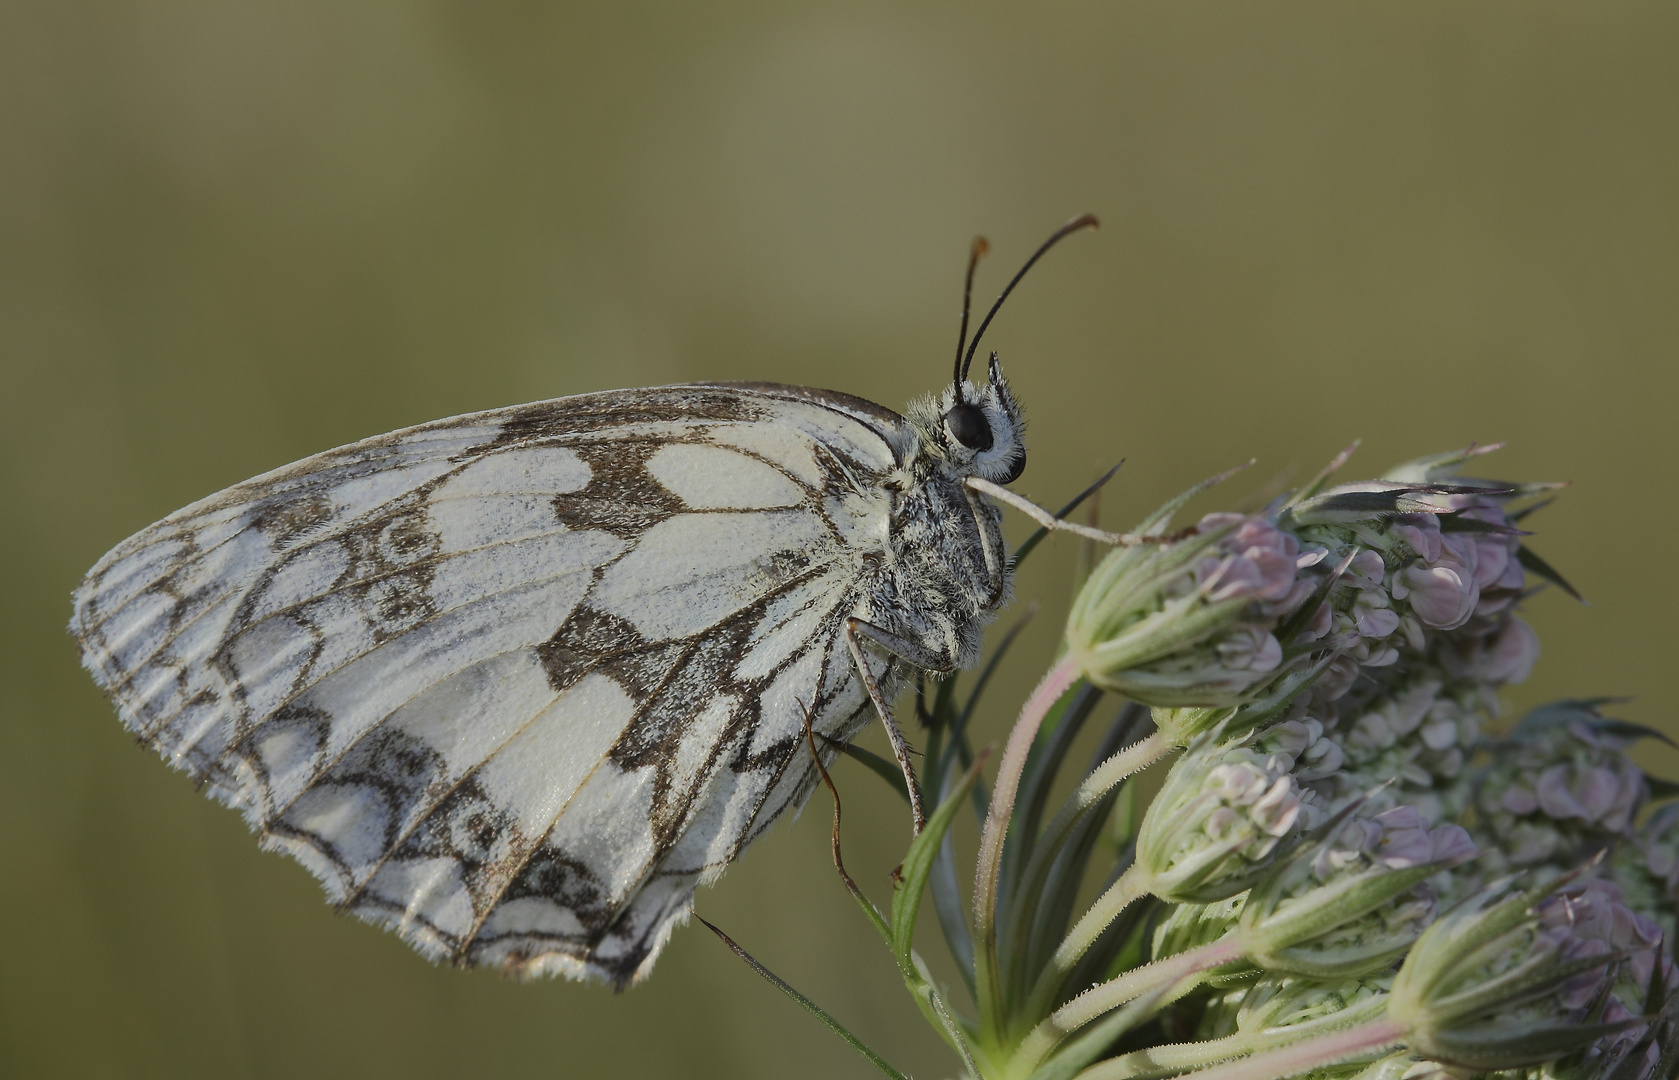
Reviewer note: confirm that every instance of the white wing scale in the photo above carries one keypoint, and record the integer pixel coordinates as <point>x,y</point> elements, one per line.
<point>512,683</point>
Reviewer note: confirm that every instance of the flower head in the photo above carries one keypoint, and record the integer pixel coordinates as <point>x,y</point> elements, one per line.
<point>1219,820</point>
<point>1191,621</point>
<point>1350,901</point>
<point>1507,981</point>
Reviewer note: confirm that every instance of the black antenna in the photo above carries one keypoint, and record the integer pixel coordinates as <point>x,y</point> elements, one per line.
<point>1083,221</point>
<point>975,253</point>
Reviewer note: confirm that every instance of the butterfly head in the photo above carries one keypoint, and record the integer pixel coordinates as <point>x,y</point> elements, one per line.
<point>981,430</point>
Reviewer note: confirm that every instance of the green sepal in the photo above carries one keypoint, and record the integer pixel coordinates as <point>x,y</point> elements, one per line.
<point>1627,729</point>
<point>1278,940</point>
<point>1159,519</point>
<point>1495,1049</point>
<point>1437,466</point>
<point>1533,564</point>
<point>1345,507</point>
<point>1456,522</point>
<point>1315,484</point>
<point>1661,789</point>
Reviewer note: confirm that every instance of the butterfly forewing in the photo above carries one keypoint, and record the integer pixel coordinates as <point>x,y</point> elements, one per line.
<point>513,683</point>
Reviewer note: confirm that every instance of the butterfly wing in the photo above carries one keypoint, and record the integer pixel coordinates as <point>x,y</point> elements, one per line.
<point>513,683</point>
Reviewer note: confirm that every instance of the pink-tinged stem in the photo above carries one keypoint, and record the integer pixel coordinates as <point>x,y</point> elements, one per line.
<point>1025,732</point>
<point>1285,1061</point>
<point>1139,981</point>
<point>1173,977</point>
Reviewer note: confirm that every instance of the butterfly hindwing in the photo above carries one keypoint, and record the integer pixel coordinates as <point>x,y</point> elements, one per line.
<point>513,683</point>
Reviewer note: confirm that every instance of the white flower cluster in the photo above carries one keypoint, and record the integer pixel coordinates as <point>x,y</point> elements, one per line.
<point>1191,620</point>
<point>1558,791</point>
<point>1221,816</point>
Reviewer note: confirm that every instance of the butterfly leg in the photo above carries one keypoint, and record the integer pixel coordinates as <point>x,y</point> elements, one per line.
<point>996,565</point>
<point>855,629</point>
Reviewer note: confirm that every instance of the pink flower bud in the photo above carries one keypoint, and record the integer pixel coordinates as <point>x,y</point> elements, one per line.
<point>1506,656</point>
<point>1373,615</point>
<point>1405,840</point>
<point>1318,625</point>
<point>1365,571</point>
<point>1450,842</point>
<point>1441,596</point>
<point>1439,734</point>
<point>1519,799</point>
<point>1421,533</point>
<point>1337,678</point>
<point>1250,648</point>
<point>1492,558</point>
<point>1256,560</point>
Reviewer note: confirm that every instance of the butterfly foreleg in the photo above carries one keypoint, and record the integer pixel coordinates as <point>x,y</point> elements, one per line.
<point>855,630</point>
<point>996,565</point>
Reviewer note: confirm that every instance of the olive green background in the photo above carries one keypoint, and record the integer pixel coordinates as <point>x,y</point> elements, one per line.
<point>235,234</point>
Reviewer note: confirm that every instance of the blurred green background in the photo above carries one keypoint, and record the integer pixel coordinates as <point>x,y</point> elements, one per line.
<point>234,234</point>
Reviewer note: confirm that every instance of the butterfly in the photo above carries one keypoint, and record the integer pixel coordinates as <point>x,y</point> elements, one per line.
<point>515,683</point>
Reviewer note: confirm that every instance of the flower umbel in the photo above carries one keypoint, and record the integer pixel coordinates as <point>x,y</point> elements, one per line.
<point>1352,871</point>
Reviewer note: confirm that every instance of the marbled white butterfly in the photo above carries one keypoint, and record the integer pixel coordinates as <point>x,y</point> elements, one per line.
<point>515,683</point>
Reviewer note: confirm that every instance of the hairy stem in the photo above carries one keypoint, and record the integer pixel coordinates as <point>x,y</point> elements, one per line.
<point>1174,1058</point>
<point>1132,885</point>
<point>1025,732</point>
<point>1285,1061</point>
<point>1139,981</point>
<point>1133,759</point>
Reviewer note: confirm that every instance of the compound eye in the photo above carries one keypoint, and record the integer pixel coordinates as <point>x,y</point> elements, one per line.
<point>968,424</point>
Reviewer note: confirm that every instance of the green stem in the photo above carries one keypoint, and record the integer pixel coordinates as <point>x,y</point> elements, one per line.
<point>1139,981</point>
<point>1173,1058</point>
<point>1132,885</point>
<point>1285,1061</point>
<point>986,975</point>
<point>1133,759</point>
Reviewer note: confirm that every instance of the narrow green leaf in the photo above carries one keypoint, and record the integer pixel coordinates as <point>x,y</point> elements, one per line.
<point>1296,622</point>
<point>1089,1045</point>
<point>918,865</point>
<point>805,1003</point>
<point>952,913</point>
<point>1066,719</point>
<point>1057,865</point>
